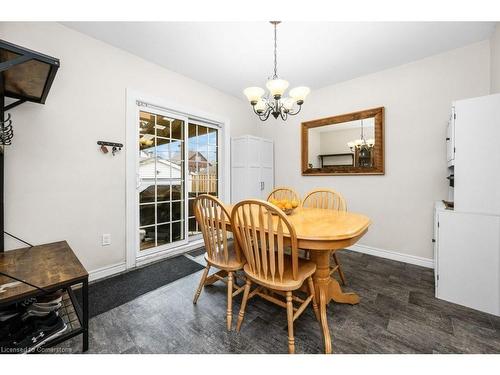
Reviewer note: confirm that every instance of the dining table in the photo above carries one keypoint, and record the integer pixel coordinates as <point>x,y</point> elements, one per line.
<point>321,232</point>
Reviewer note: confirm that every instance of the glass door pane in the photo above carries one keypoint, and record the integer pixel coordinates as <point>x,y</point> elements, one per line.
<point>161,172</point>
<point>203,166</point>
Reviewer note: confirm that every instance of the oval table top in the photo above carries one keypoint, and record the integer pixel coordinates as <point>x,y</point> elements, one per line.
<point>318,224</point>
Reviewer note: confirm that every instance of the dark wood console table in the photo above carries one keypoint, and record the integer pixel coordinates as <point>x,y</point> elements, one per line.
<point>322,160</point>
<point>50,267</point>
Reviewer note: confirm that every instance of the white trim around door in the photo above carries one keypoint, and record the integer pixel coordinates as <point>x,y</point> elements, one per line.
<point>132,151</point>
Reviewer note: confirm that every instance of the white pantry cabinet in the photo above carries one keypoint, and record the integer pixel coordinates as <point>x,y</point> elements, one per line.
<point>252,168</point>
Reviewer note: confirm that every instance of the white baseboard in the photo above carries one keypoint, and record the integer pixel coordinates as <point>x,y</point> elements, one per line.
<point>393,255</point>
<point>107,271</point>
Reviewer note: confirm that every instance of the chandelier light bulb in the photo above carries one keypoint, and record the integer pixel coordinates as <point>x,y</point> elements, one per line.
<point>370,142</point>
<point>300,93</point>
<point>277,87</point>
<point>350,145</point>
<point>253,94</point>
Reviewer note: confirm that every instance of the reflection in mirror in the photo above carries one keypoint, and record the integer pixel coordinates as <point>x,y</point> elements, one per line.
<point>345,144</point>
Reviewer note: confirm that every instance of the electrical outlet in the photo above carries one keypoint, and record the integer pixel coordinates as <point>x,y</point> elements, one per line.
<point>106,239</point>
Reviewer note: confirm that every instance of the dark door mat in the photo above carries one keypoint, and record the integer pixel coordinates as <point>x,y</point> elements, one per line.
<point>110,293</point>
<point>197,252</point>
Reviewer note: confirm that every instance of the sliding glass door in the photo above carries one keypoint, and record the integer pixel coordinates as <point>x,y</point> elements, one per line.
<point>178,159</point>
<point>162,176</point>
<point>203,165</point>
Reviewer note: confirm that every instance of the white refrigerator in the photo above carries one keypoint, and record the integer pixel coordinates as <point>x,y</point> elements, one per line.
<point>467,238</point>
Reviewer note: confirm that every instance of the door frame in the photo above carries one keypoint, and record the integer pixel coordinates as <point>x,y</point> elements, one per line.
<point>131,151</point>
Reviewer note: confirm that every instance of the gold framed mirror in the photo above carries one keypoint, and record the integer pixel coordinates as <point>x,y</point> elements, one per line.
<point>350,144</point>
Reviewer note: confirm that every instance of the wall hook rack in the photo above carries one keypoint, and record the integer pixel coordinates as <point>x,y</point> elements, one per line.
<point>115,147</point>
<point>6,131</point>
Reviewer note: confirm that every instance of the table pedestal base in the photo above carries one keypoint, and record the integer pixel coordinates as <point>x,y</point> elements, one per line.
<point>328,289</point>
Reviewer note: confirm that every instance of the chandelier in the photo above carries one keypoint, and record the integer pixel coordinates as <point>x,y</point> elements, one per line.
<point>361,143</point>
<point>275,103</point>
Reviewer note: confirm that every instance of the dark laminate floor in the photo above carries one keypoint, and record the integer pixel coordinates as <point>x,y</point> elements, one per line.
<point>397,314</point>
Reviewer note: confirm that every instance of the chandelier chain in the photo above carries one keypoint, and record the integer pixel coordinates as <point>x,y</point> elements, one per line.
<point>275,53</point>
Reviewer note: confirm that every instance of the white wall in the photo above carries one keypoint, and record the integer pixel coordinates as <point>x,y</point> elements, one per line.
<point>417,99</point>
<point>57,183</point>
<point>335,142</point>
<point>495,60</point>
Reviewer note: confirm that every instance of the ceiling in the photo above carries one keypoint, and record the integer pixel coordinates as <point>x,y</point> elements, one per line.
<point>230,56</point>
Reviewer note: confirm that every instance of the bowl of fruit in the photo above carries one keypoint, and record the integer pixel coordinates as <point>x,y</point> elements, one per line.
<point>286,205</point>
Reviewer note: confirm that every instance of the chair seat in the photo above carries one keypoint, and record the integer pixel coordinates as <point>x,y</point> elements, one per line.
<point>231,265</point>
<point>306,269</point>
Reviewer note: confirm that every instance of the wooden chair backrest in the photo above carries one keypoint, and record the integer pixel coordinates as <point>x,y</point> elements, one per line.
<point>212,218</point>
<point>281,193</point>
<point>262,232</point>
<point>325,198</point>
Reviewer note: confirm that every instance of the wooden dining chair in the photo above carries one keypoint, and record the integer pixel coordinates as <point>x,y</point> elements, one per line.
<point>281,193</point>
<point>220,253</point>
<point>328,199</point>
<point>263,231</point>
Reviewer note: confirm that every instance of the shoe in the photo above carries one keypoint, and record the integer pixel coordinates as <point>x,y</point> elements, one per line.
<point>55,297</point>
<point>27,302</point>
<point>41,331</point>
<point>41,309</point>
<point>17,328</point>
<point>10,329</point>
<point>7,327</point>
<point>6,315</point>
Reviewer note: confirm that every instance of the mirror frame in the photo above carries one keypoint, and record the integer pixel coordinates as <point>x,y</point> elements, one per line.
<point>379,163</point>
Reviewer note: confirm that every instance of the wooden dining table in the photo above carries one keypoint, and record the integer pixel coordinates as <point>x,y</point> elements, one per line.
<point>322,231</point>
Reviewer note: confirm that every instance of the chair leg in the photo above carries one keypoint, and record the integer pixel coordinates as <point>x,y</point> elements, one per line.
<point>229,312</point>
<point>243,304</point>
<point>314,303</point>
<point>341,273</point>
<point>289,315</point>
<point>202,283</point>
